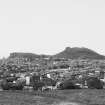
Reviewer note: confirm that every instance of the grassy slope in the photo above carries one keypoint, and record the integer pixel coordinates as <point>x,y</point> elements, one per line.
<point>85,97</point>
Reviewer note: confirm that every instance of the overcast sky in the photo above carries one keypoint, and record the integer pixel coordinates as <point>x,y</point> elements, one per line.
<point>48,26</point>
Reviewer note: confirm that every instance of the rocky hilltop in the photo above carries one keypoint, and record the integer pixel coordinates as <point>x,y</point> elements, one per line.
<point>76,52</point>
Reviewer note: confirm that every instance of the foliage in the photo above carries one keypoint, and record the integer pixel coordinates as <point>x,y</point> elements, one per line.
<point>7,84</point>
<point>94,83</point>
<point>68,84</point>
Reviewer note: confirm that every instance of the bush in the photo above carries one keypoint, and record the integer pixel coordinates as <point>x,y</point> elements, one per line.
<point>16,86</point>
<point>94,83</point>
<point>44,82</point>
<point>38,85</point>
<point>5,85</point>
<point>68,84</point>
<point>49,81</point>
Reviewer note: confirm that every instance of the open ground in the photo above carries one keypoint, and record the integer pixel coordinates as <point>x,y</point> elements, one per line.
<point>59,97</point>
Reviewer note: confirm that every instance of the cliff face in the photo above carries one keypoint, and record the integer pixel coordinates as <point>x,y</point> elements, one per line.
<point>77,52</point>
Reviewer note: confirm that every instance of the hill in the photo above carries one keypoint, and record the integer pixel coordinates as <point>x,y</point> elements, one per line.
<point>30,56</point>
<point>71,53</point>
<point>76,52</point>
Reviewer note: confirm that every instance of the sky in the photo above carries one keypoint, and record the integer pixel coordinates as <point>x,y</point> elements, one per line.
<point>48,26</point>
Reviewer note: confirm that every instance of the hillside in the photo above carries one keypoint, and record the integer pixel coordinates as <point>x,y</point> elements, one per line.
<point>30,56</point>
<point>76,52</point>
<point>71,53</point>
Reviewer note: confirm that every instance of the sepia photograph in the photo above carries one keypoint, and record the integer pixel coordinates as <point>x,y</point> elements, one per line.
<point>52,52</point>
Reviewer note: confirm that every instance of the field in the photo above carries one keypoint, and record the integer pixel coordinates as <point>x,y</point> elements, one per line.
<point>59,97</point>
